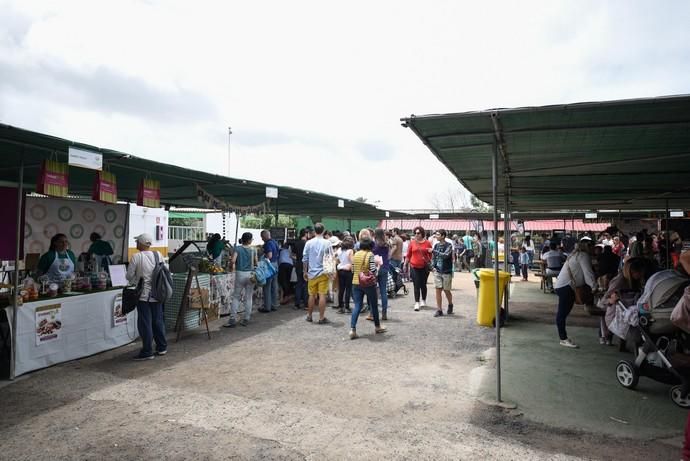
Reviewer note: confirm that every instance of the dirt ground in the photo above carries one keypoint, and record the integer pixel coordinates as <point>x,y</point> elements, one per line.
<point>286,389</point>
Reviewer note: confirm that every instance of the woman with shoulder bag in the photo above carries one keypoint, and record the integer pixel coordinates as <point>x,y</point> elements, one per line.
<point>419,257</point>
<point>576,274</point>
<point>244,261</point>
<point>364,283</point>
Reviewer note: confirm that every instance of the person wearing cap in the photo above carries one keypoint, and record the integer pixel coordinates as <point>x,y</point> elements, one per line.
<point>576,272</point>
<point>149,311</point>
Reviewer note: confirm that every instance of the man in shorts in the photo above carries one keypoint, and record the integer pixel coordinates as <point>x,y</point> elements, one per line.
<point>317,281</point>
<point>442,262</point>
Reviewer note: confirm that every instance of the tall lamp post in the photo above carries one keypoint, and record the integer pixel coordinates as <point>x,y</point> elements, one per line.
<point>229,133</point>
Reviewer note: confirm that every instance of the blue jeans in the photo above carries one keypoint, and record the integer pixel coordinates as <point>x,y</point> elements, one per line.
<point>271,291</point>
<point>151,327</point>
<point>395,263</point>
<point>300,286</point>
<point>358,296</point>
<point>382,278</point>
<point>566,300</point>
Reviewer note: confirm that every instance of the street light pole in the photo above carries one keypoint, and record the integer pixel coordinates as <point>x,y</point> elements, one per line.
<point>229,133</point>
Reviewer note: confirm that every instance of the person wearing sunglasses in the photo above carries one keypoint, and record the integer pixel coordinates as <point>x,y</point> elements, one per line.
<point>419,257</point>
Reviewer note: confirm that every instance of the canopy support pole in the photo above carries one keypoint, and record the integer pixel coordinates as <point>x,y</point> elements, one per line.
<point>15,296</point>
<point>237,228</point>
<point>497,320</point>
<point>668,237</point>
<point>507,244</point>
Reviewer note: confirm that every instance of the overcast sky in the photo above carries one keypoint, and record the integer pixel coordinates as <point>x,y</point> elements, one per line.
<point>314,91</point>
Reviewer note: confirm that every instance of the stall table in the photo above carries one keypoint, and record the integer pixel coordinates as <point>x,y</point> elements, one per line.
<point>87,327</point>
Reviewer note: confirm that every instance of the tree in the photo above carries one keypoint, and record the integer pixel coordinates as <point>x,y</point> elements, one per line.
<point>478,205</point>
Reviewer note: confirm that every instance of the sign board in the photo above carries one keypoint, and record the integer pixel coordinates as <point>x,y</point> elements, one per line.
<point>341,203</point>
<point>85,159</point>
<point>48,323</point>
<point>388,214</point>
<point>433,216</point>
<point>271,192</point>
<point>590,216</point>
<point>677,214</point>
<point>118,317</point>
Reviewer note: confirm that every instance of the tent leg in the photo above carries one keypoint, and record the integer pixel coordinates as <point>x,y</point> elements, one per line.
<point>668,237</point>
<point>494,181</point>
<point>237,228</point>
<point>20,200</point>
<point>506,249</point>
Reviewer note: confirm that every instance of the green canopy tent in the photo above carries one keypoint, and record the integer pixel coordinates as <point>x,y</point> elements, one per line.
<point>629,154</point>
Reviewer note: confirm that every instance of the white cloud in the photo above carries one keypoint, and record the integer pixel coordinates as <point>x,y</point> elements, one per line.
<point>314,90</point>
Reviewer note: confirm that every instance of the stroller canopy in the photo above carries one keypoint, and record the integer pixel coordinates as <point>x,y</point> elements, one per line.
<point>660,287</point>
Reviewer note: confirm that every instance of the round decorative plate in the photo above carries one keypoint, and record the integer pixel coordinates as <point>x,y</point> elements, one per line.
<point>119,231</point>
<point>110,216</point>
<point>38,212</point>
<point>37,247</point>
<point>76,231</point>
<point>88,215</point>
<point>99,229</point>
<point>65,213</point>
<point>50,230</point>
<point>27,230</point>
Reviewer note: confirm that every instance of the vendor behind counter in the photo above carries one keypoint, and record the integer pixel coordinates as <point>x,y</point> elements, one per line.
<point>58,262</point>
<point>101,250</point>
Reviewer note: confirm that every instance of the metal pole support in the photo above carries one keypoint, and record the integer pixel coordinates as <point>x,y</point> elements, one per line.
<point>497,320</point>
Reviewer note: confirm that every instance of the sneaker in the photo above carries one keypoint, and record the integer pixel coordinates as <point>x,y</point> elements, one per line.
<point>273,309</point>
<point>438,313</point>
<point>568,343</point>
<point>416,306</point>
<point>380,330</point>
<point>244,322</point>
<point>450,309</point>
<point>163,352</point>
<point>140,358</point>
<point>348,310</point>
<point>384,316</point>
<point>263,311</point>
<point>341,310</point>
<point>423,303</point>
<point>602,341</point>
<point>323,321</point>
<point>353,333</point>
<point>609,342</point>
<point>230,324</point>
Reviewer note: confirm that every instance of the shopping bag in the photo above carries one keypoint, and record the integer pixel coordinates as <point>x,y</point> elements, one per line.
<point>105,187</point>
<point>328,262</point>
<point>680,316</point>
<point>53,179</point>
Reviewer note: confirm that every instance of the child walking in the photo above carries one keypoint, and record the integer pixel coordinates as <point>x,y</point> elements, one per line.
<point>524,262</point>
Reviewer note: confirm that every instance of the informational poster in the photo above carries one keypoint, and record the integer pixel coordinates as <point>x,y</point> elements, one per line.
<point>48,323</point>
<point>118,317</point>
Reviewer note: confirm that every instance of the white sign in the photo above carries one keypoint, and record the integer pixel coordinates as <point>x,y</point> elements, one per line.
<point>85,159</point>
<point>590,216</point>
<point>341,203</point>
<point>676,214</point>
<point>433,216</point>
<point>48,323</point>
<point>118,317</point>
<point>388,214</point>
<point>118,275</point>
<point>271,192</point>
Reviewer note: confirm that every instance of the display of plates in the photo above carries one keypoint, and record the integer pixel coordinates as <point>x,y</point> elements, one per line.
<point>76,231</point>
<point>38,212</point>
<point>88,215</point>
<point>110,216</point>
<point>65,213</point>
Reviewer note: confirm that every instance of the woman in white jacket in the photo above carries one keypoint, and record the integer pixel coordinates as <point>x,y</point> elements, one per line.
<point>577,272</point>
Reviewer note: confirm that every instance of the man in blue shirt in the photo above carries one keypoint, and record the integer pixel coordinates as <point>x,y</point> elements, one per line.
<point>317,280</point>
<point>271,251</point>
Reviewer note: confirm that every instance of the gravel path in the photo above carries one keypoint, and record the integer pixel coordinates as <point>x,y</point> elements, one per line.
<point>286,389</point>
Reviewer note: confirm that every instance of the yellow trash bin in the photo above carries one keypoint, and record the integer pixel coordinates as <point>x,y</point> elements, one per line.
<point>486,299</point>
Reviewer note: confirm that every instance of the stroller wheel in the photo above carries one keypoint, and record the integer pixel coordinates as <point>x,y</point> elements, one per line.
<point>627,374</point>
<point>677,396</point>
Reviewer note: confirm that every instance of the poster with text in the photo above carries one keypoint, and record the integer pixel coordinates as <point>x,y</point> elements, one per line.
<point>118,317</point>
<point>48,323</point>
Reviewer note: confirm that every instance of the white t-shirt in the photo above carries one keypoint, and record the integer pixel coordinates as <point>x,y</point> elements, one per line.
<point>141,266</point>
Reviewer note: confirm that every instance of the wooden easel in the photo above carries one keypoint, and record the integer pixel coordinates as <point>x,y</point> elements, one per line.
<point>184,306</point>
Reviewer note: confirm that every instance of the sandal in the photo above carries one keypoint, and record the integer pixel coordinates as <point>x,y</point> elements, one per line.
<point>380,330</point>
<point>370,318</point>
<point>323,321</point>
<point>309,319</point>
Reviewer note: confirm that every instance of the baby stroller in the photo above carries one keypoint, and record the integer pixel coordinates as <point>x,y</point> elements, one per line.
<point>395,282</point>
<point>660,347</point>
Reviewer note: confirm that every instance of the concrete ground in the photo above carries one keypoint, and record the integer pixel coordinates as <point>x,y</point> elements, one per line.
<point>282,388</point>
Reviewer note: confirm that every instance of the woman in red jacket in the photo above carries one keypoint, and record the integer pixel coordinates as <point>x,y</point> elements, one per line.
<point>419,255</point>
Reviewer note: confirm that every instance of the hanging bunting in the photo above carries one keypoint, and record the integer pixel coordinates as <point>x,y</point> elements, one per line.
<point>211,202</point>
<point>53,179</point>
<point>105,187</point>
<point>149,193</point>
